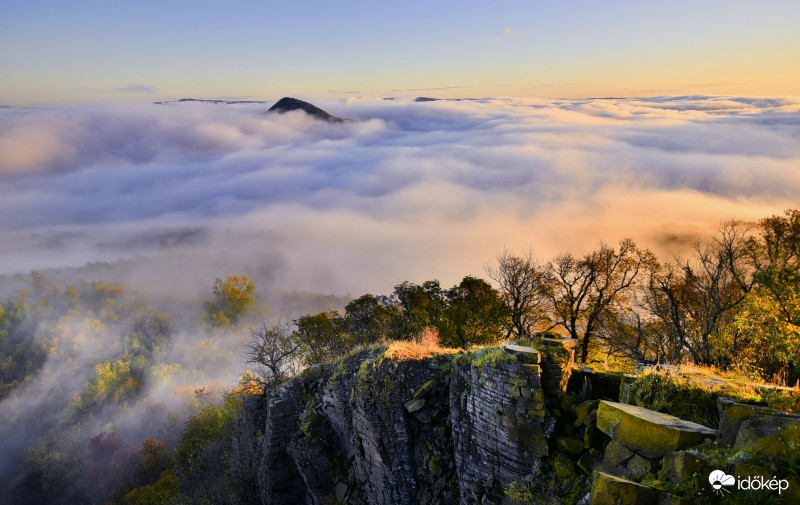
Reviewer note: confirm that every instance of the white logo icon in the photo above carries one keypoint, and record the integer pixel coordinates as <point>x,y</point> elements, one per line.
<point>718,478</point>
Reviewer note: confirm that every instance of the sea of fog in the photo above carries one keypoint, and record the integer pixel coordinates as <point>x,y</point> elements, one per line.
<point>407,191</point>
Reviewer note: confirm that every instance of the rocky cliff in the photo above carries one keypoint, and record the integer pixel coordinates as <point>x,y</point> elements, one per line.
<point>503,425</point>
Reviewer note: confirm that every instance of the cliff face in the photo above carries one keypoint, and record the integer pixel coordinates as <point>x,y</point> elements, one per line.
<point>438,430</point>
<point>511,426</point>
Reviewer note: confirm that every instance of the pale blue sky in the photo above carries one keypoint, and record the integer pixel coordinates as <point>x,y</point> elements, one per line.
<point>53,51</point>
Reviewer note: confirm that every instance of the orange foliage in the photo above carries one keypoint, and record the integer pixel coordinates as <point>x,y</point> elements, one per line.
<point>425,346</point>
<point>252,388</point>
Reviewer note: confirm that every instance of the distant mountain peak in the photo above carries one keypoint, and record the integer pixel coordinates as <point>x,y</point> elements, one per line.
<point>288,104</point>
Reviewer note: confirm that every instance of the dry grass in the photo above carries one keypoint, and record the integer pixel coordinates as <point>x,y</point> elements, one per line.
<point>424,346</point>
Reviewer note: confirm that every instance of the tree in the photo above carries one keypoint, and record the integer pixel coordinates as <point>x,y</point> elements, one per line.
<point>476,314</point>
<point>275,348</point>
<point>522,281</point>
<point>420,307</point>
<point>368,319</point>
<point>694,301</point>
<point>322,337</point>
<point>780,274</point>
<point>581,291</point>
<point>234,296</point>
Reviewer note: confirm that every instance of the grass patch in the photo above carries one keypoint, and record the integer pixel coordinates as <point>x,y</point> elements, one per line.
<point>675,396</point>
<point>492,356</point>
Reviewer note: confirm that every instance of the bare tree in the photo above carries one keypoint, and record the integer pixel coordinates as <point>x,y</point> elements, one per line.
<point>275,348</point>
<point>693,300</point>
<point>522,284</point>
<point>583,290</point>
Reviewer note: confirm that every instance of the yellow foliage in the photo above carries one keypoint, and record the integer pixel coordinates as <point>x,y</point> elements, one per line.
<point>251,388</point>
<point>425,346</point>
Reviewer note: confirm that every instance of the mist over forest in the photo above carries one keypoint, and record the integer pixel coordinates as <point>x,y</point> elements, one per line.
<point>121,223</point>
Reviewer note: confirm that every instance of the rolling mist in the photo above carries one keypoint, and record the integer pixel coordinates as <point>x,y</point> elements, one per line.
<point>408,191</point>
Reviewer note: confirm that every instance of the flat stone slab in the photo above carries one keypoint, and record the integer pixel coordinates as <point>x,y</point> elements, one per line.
<point>647,432</point>
<point>528,354</point>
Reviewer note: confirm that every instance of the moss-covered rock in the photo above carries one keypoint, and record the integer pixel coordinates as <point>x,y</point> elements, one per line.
<point>769,436</point>
<point>582,411</point>
<point>425,389</point>
<point>570,445</point>
<point>647,432</point>
<point>638,466</point>
<point>564,466</point>
<point>414,405</point>
<point>732,414</point>
<point>593,437</point>
<point>682,467</point>
<point>524,354</point>
<point>610,490</point>
<point>589,460</point>
<point>616,456</point>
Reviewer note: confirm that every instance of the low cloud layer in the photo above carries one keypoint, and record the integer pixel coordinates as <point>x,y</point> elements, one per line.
<point>409,191</point>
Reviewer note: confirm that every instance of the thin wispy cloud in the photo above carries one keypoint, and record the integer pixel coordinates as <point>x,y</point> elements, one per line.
<point>137,88</point>
<point>409,191</point>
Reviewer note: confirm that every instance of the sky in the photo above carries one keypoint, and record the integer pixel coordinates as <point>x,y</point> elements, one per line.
<point>90,50</point>
<point>407,191</point>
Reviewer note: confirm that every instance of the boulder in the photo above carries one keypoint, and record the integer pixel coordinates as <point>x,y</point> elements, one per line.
<point>638,466</point>
<point>570,445</point>
<point>414,405</point>
<point>682,466</point>
<point>769,436</point>
<point>424,389</point>
<point>564,466</point>
<point>593,437</point>
<point>615,457</point>
<point>732,414</point>
<point>589,461</point>
<point>582,411</point>
<point>647,432</point>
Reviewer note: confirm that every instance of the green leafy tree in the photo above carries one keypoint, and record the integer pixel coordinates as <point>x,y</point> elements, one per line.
<point>476,314</point>
<point>420,306</point>
<point>368,319</point>
<point>322,337</point>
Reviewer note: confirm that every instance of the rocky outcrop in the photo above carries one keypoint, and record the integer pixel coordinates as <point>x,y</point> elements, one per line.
<point>448,429</point>
<point>472,428</point>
